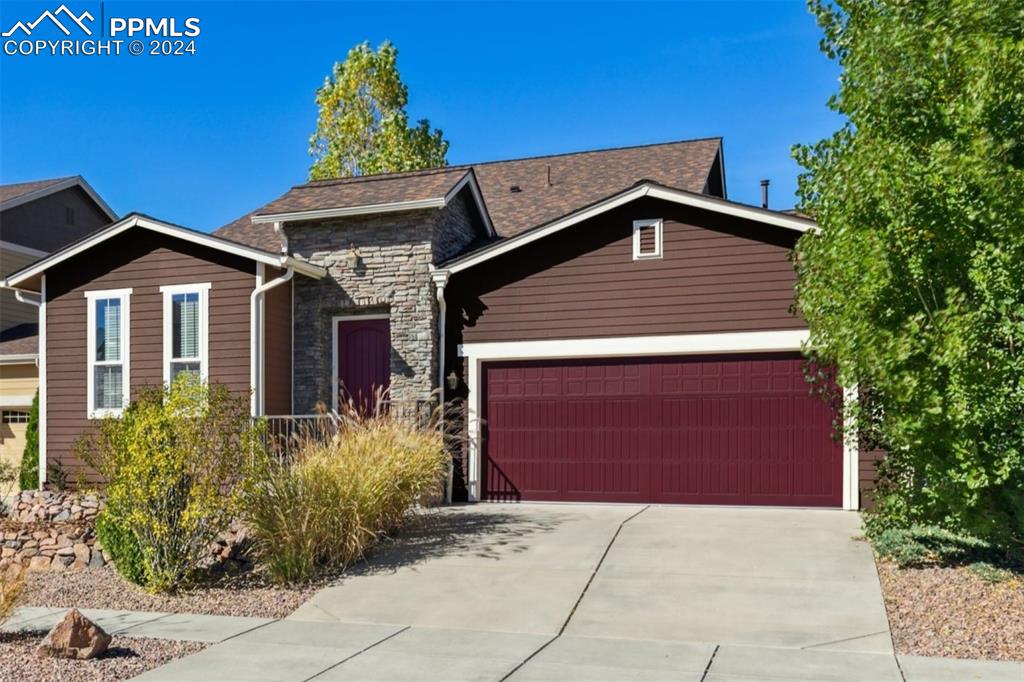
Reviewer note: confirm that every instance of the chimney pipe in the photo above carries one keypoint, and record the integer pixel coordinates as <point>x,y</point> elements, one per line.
<point>764,193</point>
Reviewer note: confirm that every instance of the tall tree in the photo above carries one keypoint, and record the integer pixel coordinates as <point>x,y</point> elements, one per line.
<point>914,286</point>
<point>363,127</point>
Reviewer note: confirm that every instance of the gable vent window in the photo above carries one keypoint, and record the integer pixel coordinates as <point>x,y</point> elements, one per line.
<point>647,239</point>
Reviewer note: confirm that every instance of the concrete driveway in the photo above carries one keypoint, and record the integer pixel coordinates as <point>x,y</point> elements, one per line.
<point>590,592</point>
<point>769,577</point>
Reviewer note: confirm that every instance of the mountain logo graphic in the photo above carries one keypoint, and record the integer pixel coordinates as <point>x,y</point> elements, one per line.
<point>78,20</point>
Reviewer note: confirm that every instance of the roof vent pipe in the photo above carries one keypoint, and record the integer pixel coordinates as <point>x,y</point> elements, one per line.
<point>549,175</point>
<point>764,193</point>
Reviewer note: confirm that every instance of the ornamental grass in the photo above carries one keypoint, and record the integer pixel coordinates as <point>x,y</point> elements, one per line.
<point>334,496</point>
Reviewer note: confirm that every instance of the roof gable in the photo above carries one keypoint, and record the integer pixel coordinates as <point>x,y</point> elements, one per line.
<point>23,192</point>
<point>646,188</point>
<point>138,221</point>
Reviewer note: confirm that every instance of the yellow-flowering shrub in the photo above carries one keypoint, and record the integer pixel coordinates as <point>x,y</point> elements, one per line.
<point>170,464</point>
<point>327,505</point>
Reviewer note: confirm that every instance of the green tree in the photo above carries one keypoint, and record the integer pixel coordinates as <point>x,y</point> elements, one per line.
<point>29,477</point>
<point>914,286</point>
<point>363,127</point>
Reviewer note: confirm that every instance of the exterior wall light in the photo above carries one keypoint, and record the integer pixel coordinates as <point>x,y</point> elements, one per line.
<point>453,381</point>
<point>353,259</point>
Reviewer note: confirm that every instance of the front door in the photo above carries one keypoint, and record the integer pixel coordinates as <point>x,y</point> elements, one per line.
<point>363,358</point>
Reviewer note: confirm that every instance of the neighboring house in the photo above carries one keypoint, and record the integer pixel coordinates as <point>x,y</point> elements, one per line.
<point>617,329</point>
<point>36,218</point>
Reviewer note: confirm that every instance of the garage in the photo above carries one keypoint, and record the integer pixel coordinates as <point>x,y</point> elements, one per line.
<point>736,429</point>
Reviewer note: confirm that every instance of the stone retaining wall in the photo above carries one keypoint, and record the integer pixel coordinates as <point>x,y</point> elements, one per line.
<point>51,531</point>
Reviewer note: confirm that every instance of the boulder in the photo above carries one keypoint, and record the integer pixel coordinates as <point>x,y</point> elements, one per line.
<point>75,636</point>
<point>39,563</point>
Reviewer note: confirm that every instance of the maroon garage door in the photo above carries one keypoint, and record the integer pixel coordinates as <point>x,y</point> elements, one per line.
<point>691,430</point>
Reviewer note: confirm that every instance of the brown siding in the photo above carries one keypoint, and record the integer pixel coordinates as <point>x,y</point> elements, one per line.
<point>868,476</point>
<point>717,274</point>
<point>143,261</point>
<point>43,223</point>
<point>278,354</point>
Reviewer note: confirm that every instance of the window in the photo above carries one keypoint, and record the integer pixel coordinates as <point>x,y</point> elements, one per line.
<point>647,239</point>
<point>14,417</point>
<point>186,320</point>
<point>107,348</point>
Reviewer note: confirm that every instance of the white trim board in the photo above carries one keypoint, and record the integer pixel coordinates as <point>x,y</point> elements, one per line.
<point>630,346</point>
<point>388,207</point>
<point>647,189</point>
<point>19,359</point>
<point>687,344</point>
<point>60,185</point>
<point>277,260</point>
<point>42,382</point>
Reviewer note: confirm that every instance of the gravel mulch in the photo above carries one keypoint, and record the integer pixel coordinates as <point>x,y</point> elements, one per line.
<point>950,612</point>
<point>126,658</point>
<point>103,588</point>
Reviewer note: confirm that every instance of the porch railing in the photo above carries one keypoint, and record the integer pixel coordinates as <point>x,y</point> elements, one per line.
<point>284,434</point>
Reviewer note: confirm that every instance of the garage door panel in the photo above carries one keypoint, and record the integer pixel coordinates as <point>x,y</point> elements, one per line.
<point>695,430</point>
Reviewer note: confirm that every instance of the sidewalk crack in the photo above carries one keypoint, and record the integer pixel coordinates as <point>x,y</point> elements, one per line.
<point>361,651</point>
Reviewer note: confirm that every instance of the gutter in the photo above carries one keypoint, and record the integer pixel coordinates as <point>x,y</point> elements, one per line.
<point>256,337</point>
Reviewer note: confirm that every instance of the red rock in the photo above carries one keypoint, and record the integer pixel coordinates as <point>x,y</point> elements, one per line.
<point>75,636</point>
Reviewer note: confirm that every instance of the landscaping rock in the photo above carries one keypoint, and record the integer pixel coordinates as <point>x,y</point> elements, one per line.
<point>39,563</point>
<point>75,636</point>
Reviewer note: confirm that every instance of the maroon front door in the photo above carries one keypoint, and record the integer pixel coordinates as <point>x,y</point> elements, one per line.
<point>736,429</point>
<point>364,358</point>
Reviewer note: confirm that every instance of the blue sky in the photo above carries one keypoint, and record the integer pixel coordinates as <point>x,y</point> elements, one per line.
<point>199,140</point>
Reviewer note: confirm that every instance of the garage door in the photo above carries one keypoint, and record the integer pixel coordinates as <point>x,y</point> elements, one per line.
<point>689,430</point>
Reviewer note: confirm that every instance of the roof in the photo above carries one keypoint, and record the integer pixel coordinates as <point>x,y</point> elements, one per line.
<point>20,340</point>
<point>645,188</point>
<point>17,189</point>
<point>23,192</point>
<point>519,193</point>
<point>26,276</point>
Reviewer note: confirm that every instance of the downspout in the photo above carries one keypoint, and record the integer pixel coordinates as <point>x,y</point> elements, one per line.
<point>40,354</point>
<point>256,337</point>
<point>440,278</point>
<point>20,296</point>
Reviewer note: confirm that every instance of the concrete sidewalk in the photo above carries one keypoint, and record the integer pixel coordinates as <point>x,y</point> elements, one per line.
<point>296,651</point>
<point>182,626</point>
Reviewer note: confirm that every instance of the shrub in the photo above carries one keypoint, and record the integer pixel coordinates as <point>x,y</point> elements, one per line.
<point>328,506</point>
<point>8,480</point>
<point>170,463</point>
<point>121,545</point>
<point>11,583</point>
<point>29,478</point>
<point>918,546</point>
<point>990,574</point>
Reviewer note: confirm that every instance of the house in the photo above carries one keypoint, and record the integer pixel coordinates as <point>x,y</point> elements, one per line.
<point>36,218</point>
<point>616,328</point>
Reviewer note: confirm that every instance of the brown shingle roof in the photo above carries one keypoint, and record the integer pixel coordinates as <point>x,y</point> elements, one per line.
<point>22,339</point>
<point>576,180</point>
<point>8,192</point>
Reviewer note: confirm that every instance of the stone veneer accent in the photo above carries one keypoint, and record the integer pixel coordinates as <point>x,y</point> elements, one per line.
<point>396,252</point>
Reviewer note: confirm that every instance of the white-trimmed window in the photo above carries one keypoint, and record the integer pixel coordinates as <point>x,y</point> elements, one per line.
<point>107,346</point>
<point>647,238</point>
<point>186,329</point>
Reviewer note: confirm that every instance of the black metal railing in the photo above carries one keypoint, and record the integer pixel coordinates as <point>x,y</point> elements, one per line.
<point>284,434</point>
